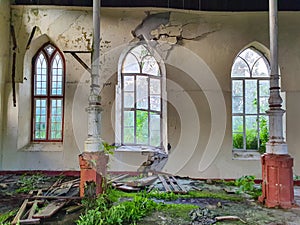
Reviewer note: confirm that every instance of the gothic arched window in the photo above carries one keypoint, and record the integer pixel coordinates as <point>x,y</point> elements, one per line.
<point>141,91</point>
<point>250,82</point>
<point>48,94</point>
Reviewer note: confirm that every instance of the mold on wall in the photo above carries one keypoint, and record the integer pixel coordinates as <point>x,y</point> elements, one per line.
<point>198,50</point>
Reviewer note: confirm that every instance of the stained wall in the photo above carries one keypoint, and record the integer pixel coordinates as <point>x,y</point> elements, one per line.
<point>198,49</point>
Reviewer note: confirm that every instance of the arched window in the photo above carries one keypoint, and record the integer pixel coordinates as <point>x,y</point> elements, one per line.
<point>48,94</point>
<point>141,101</point>
<point>250,82</point>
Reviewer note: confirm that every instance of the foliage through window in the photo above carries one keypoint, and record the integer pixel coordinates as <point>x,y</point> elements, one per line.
<point>48,94</point>
<point>250,82</point>
<point>141,98</point>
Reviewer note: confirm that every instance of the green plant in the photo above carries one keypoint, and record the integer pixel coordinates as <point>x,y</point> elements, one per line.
<point>246,184</point>
<point>126,212</point>
<point>168,196</point>
<point>108,149</point>
<point>30,182</point>
<point>252,137</point>
<point>5,216</point>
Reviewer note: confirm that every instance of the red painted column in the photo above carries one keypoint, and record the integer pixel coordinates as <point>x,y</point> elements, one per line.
<point>93,167</point>
<point>277,176</point>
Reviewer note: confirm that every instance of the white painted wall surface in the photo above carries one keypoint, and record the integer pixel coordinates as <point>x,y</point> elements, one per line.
<point>198,87</point>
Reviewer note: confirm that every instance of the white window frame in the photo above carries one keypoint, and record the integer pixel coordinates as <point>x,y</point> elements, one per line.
<point>249,153</point>
<point>119,107</point>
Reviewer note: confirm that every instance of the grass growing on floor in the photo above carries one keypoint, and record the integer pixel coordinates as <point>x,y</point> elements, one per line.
<point>5,216</point>
<point>118,207</point>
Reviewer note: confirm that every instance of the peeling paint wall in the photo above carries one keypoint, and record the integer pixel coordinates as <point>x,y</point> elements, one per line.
<point>4,63</point>
<point>198,50</point>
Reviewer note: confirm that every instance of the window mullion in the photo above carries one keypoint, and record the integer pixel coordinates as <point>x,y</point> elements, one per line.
<point>48,100</point>
<point>244,116</point>
<point>135,109</point>
<point>149,108</point>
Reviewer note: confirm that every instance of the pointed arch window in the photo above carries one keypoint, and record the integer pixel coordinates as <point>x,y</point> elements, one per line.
<point>250,82</point>
<point>48,94</point>
<point>141,101</point>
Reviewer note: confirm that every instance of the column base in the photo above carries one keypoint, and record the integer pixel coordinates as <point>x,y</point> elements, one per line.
<point>93,167</point>
<point>278,184</point>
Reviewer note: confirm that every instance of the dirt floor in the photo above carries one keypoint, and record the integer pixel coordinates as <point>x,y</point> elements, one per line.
<point>14,190</point>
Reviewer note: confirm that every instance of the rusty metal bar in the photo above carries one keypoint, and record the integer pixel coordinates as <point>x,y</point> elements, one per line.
<point>13,70</point>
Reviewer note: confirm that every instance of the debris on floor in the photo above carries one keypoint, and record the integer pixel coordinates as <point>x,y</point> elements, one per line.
<point>44,203</point>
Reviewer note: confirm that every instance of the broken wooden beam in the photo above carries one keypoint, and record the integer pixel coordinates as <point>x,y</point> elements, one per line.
<point>163,181</point>
<point>50,209</point>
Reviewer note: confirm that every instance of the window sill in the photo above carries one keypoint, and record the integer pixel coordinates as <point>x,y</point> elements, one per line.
<point>245,155</point>
<point>143,149</point>
<point>43,147</point>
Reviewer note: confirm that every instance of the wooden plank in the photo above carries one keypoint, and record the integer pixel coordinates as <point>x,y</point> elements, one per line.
<point>34,205</point>
<point>56,197</point>
<point>50,209</point>
<point>122,176</point>
<point>175,188</point>
<point>30,221</point>
<point>181,187</point>
<point>127,188</point>
<point>166,186</point>
<point>20,212</point>
<point>145,181</point>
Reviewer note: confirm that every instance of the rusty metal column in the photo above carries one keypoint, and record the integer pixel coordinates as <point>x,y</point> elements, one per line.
<point>277,173</point>
<point>93,161</point>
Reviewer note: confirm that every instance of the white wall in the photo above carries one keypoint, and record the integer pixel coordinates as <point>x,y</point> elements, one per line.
<point>4,62</point>
<point>198,86</point>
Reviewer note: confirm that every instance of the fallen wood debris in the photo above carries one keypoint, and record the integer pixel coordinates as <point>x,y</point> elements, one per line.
<point>51,200</point>
<point>50,209</point>
<point>145,181</point>
<point>221,218</point>
<point>171,184</point>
